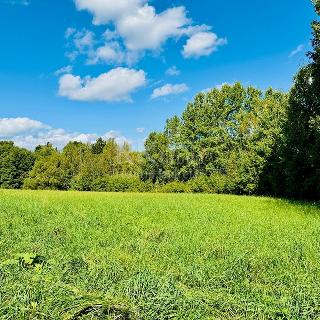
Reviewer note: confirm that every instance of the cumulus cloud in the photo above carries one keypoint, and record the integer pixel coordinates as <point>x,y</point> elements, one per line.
<point>173,71</point>
<point>104,11</point>
<point>109,53</point>
<point>28,133</point>
<point>160,27</point>
<point>169,89</point>
<point>296,51</point>
<point>138,27</point>
<point>84,39</point>
<point>115,85</point>
<point>12,126</point>
<point>80,43</point>
<point>202,44</point>
<point>132,18</point>
<point>60,137</point>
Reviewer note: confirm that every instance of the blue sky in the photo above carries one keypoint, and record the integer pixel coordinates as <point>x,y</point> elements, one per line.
<point>62,62</point>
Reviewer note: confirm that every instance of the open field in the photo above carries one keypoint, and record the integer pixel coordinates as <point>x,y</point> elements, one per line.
<point>157,256</point>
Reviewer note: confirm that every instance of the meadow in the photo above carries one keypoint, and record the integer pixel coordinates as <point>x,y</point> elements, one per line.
<point>72,255</point>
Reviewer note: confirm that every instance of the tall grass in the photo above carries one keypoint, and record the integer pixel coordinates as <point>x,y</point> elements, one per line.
<point>157,256</point>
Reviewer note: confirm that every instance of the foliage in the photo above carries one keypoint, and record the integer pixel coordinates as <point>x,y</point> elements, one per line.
<point>47,174</point>
<point>80,165</point>
<point>15,163</point>
<point>302,149</point>
<point>173,187</point>
<point>98,146</point>
<point>157,158</point>
<point>112,183</point>
<point>230,132</point>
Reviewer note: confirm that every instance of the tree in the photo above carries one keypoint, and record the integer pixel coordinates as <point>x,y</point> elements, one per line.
<point>302,151</point>
<point>15,163</point>
<point>231,132</point>
<point>47,173</point>
<point>109,157</point>
<point>129,161</point>
<point>74,157</point>
<point>157,158</point>
<point>98,146</point>
<point>44,150</point>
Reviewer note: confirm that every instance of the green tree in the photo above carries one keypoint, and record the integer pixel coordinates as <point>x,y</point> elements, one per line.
<point>15,163</point>
<point>44,150</point>
<point>231,132</point>
<point>109,157</point>
<point>157,158</point>
<point>98,146</point>
<point>302,151</point>
<point>47,173</point>
<point>74,157</point>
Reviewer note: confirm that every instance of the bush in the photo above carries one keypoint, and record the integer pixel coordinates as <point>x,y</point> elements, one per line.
<point>199,184</point>
<point>174,187</point>
<point>119,183</point>
<point>82,182</point>
<point>112,183</point>
<point>220,183</point>
<point>216,183</point>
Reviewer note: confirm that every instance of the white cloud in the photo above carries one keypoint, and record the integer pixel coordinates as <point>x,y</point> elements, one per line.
<point>169,89</point>
<point>63,70</point>
<point>159,27</point>
<point>110,53</point>
<point>173,71</point>
<point>138,28</point>
<point>28,133</point>
<point>297,50</point>
<point>60,137</point>
<point>79,42</point>
<point>140,130</point>
<point>108,50</point>
<point>12,126</point>
<point>84,40</point>
<point>115,85</point>
<point>202,44</point>
<point>105,11</point>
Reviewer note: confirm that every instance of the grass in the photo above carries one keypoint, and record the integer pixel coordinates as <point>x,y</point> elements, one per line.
<point>157,256</point>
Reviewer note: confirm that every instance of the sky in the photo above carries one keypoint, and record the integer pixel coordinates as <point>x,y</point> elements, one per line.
<point>81,69</point>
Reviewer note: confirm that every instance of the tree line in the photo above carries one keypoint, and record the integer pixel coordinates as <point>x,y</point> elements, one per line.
<point>234,139</point>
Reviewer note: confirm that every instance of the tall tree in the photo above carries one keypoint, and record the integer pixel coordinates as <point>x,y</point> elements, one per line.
<point>302,152</point>
<point>98,146</point>
<point>157,158</point>
<point>15,163</point>
<point>229,132</point>
<point>47,173</point>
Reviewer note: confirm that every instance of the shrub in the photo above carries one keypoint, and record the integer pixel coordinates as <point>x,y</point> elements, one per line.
<point>82,182</point>
<point>199,184</point>
<point>174,187</point>
<point>220,183</point>
<point>118,183</point>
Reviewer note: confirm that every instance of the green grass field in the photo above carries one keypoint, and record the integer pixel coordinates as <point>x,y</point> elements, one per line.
<point>157,256</point>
